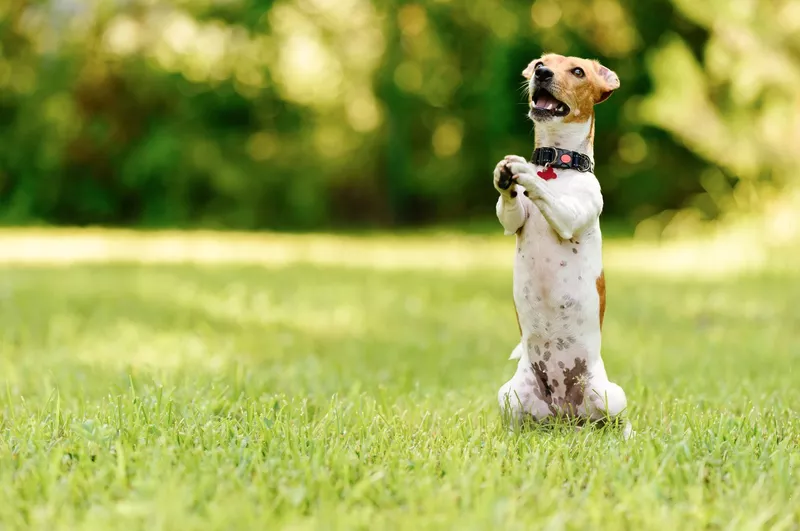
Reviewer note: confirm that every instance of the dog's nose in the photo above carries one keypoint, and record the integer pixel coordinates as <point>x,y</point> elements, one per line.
<point>543,73</point>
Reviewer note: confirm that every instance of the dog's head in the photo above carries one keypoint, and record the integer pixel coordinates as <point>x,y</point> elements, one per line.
<point>567,88</point>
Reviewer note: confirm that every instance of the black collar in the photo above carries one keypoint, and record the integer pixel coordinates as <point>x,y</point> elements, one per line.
<point>561,158</point>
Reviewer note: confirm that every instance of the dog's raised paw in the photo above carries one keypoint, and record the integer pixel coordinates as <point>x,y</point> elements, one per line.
<point>514,158</point>
<point>505,179</point>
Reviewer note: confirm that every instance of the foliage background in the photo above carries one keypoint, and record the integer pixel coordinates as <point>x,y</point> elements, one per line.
<point>331,114</point>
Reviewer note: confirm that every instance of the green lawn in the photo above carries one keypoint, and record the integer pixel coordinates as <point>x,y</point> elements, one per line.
<point>316,395</point>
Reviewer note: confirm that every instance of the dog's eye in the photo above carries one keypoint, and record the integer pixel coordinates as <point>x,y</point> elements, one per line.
<point>537,66</point>
<point>578,72</point>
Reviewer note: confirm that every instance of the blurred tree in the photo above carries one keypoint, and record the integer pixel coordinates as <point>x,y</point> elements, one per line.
<point>736,104</point>
<point>308,114</point>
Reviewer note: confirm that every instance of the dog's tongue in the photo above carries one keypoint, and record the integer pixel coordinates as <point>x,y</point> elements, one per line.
<point>546,101</point>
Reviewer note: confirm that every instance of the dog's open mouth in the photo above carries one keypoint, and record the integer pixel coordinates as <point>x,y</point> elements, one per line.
<point>543,101</point>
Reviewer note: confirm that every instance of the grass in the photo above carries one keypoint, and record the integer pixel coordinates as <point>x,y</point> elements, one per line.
<point>316,394</point>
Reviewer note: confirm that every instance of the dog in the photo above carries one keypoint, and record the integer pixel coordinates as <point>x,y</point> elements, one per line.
<point>553,204</point>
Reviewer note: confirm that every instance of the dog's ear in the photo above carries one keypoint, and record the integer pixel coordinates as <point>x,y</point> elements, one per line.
<point>607,81</point>
<point>528,72</point>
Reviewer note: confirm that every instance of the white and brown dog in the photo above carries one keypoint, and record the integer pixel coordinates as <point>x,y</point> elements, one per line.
<point>553,205</point>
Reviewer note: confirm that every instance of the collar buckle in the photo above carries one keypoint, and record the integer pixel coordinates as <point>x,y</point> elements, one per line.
<point>549,157</point>
<point>583,163</point>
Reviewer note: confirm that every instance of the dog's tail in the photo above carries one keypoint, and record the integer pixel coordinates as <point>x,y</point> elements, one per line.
<point>516,353</point>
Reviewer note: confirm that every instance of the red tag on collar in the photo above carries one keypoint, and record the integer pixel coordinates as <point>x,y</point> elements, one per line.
<point>547,174</point>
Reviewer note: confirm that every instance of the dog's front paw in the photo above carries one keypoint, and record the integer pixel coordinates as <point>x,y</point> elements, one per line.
<point>503,178</point>
<point>529,183</point>
<point>520,167</point>
<point>514,158</point>
<point>525,175</point>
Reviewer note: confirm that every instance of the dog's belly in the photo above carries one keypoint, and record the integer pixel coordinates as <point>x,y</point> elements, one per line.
<point>558,306</point>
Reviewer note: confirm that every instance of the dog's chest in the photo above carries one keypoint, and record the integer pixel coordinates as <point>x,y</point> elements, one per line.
<point>556,293</point>
<point>552,275</point>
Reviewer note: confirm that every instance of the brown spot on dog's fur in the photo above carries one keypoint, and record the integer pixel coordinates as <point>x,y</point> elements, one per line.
<point>600,283</point>
<point>537,350</point>
<point>554,383</point>
<point>547,355</point>
<point>575,382</point>
<point>563,263</point>
<point>574,250</point>
<point>542,389</point>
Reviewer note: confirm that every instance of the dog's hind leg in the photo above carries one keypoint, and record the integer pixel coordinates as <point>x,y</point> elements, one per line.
<point>607,400</point>
<point>518,397</point>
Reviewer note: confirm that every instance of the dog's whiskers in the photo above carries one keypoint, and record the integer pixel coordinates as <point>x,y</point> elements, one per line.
<point>525,88</point>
